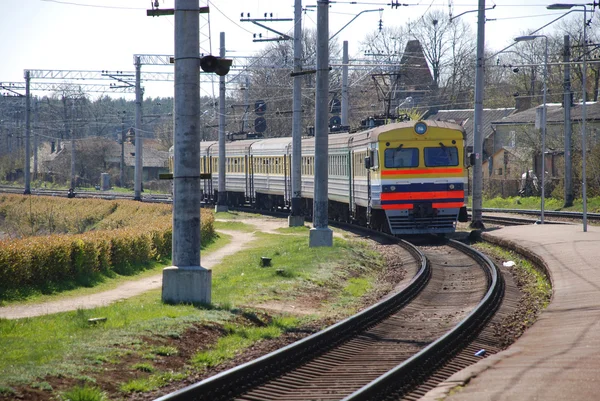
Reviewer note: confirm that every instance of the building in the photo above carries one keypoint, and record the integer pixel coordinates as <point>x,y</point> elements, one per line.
<point>100,155</point>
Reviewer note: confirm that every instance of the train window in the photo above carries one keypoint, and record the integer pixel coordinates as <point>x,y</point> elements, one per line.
<point>441,156</point>
<point>401,157</point>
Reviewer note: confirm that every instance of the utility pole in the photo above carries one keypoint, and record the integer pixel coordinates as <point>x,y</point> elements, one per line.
<point>247,104</point>
<point>295,219</point>
<point>222,197</point>
<point>122,165</point>
<point>476,219</point>
<point>73,181</point>
<point>139,161</point>
<point>27,135</point>
<point>345,60</point>
<point>35,140</point>
<point>568,129</point>
<point>321,234</point>
<point>186,281</point>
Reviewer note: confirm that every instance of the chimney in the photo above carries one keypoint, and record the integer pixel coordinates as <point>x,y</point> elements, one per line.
<point>522,103</point>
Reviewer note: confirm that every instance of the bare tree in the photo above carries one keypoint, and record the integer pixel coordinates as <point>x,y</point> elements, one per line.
<point>449,47</point>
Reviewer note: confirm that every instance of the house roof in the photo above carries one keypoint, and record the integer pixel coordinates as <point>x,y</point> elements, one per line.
<point>465,118</point>
<point>555,114</point>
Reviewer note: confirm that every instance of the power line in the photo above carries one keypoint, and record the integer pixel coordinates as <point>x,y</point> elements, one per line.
<point>70,3</point>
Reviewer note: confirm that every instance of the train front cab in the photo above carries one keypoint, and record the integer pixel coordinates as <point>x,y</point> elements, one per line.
<point>422,177</point>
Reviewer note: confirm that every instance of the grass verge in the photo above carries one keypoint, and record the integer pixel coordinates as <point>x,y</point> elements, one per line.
<point>144,344</point>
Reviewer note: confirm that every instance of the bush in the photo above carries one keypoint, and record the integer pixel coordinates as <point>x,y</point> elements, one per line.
<point>128,236</point>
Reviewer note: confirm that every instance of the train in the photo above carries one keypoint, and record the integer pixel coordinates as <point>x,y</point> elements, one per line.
<point>402,178</point>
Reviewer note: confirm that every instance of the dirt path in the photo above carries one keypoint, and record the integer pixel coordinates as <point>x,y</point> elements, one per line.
<point>239,241</point>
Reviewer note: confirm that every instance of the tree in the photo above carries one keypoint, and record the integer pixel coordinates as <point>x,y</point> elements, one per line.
<point>449,47</point>
<point>269,80</point>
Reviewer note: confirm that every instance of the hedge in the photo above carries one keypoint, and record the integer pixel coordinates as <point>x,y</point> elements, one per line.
<point>38,260</point>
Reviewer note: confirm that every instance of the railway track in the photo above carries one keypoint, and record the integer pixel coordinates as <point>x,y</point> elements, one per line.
<point>390,348</point>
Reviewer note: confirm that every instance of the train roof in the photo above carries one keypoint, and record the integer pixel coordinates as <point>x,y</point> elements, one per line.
<point>409,124</point>
<point>283,145</point>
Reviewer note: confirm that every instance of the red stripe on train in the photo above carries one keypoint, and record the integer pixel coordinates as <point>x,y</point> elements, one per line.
<point>422,171</point>
<point>422,195</point>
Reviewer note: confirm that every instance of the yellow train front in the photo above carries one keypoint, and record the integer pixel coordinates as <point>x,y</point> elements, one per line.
<point>419,176</point>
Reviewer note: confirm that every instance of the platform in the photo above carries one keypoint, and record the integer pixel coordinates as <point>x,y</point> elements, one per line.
<point>558,358</point>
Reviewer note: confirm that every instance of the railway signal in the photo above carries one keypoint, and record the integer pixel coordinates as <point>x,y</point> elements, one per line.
<point>218,65</point>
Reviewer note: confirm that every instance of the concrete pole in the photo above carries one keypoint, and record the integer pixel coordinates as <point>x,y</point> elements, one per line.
<point>345,60</point>
<point>139,160</point>
<point>73,147</point>
<point>27,167</point>
<point>222,198</point>
<point>568,128</point>
<point>321,234</point>
<point>186,281</point>
<point>35,140</point>
<point>476,219</point>
<point>247,105</point>
<point>544,122</point>
<point>122,165</point>
<point>296,219</point>
<point>583,122</point>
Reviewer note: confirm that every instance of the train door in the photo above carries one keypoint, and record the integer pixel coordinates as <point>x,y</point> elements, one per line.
<point>251,193</point>
<point>209,182</point>
<point>369,191</point>
<point>206,183</point>
<point>350,184</point>
<point>287,182</point>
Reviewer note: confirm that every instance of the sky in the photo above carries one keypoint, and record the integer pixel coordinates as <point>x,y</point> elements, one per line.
<point>105,34</point>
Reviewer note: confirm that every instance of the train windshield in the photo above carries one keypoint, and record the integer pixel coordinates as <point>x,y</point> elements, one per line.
<point>401,157</point>
<point>441,156</point>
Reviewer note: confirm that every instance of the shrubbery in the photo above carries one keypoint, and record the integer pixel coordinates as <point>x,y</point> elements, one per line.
<point>119,236</point>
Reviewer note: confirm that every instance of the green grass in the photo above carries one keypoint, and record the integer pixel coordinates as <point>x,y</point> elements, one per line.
<point>294,230</point>
<point>234,225</point>
<point>357,287</point>
<point>152,382</point>
<point>255,284</point>
<point>144,367</point>
<point>65,344</point>
<point>231,215</point>
<point>237,340</point>
<point>85,393</point>
<point>532,202</point>
<point>535,283</point>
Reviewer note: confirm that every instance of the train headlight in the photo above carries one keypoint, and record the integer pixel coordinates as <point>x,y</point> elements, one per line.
<point>451,186</point>
<point>392,188</point>
<point>420,128</point>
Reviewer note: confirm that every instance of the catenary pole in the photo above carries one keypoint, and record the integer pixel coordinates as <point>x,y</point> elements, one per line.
<point>27,167</point>
<point>321,234</point>
<point>73,148</point>
<point>296,219</point>
<point>221,205</point>
<point>186,281</point>
<point>567,118</point>
<point>476,219</point>
<point>36,120</point>
<point>345,60</point>
<point>139,167</point>
<point>583,122</point>
<point>122,164</point>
